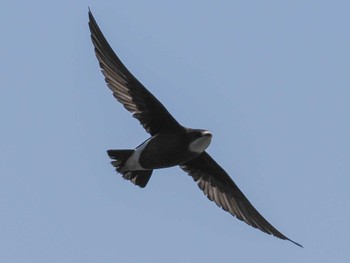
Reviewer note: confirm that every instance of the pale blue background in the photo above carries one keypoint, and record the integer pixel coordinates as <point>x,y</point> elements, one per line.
<point>270,79</point>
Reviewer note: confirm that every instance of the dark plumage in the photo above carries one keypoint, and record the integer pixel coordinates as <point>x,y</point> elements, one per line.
<point>170,143</point>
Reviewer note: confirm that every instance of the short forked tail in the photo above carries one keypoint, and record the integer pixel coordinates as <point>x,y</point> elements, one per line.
<point>119,158</point>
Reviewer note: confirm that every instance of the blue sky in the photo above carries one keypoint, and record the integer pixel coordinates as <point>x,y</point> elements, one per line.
<point>270,80</point>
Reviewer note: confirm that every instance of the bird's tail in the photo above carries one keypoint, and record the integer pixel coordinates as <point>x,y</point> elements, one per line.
<point>119,158</point>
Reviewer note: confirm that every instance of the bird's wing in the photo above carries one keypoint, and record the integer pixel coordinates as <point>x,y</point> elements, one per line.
<point>152,115</point>
<point>218,186</point>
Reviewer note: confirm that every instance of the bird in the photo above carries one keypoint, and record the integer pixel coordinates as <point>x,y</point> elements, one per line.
<point>170,143</point>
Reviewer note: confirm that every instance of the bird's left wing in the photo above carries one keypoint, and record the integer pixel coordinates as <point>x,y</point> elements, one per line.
<point>152,115</point>
<point>218,186</point>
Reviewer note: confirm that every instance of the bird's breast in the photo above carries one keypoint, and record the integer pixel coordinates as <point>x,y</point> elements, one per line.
<point>165,150</point>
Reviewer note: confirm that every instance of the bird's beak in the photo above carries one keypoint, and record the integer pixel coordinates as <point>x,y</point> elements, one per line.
<point>207,134</point>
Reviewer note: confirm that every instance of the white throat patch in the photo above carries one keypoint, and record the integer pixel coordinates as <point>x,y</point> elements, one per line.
<point>199,145</point>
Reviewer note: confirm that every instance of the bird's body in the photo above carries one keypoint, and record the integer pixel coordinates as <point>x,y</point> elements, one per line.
<point>170,143</point>
<point>167,149</point>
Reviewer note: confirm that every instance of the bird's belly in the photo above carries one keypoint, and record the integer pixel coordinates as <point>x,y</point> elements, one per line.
<point>163,151</point>
<point>161,159</point>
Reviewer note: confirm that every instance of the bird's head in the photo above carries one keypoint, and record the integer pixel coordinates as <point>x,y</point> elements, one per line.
<point>199,140</point>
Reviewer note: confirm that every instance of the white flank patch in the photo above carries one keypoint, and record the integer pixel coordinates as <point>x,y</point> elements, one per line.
<point>133,163</point>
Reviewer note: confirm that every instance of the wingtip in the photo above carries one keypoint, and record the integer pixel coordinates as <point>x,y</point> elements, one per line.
<point>90,13</point>
<point>295,243</point>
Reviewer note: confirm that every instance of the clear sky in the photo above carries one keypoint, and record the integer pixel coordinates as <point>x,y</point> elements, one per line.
<point>270,80</point>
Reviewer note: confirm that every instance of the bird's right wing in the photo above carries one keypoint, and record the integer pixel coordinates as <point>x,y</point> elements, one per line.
<point>152,115</point>
<point>218,186</point>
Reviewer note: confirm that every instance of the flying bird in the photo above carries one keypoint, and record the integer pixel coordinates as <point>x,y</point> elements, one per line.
<point>170,143</point>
